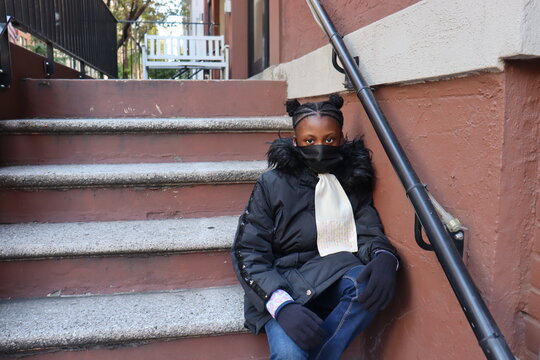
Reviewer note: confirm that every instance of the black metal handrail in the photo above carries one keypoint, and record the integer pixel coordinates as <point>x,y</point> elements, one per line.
<point>5,59</point>
<point>83,29</point>
<point>488,334</point>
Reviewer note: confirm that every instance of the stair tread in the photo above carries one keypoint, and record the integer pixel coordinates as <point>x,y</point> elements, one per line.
<point>41,240</point>
<point>85,175</point>
<point>147,125</point>
<point>108,319</point>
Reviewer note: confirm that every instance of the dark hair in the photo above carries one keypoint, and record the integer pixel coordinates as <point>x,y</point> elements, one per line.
<point>329,108</point>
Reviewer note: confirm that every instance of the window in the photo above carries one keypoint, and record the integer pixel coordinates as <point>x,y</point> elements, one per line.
<point>258,37</point>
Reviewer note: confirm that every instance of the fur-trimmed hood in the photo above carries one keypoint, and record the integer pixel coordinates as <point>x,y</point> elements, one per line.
<point>355,173</point>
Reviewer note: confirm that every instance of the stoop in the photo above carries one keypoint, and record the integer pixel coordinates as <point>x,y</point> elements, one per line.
<point>119,204</point>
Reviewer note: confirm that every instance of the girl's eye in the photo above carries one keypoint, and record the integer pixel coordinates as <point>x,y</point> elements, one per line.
<point>330,140</point>
<point>309,141</point>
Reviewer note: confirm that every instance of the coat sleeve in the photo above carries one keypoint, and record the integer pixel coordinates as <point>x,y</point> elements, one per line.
<point>252,255</point>
<point>370,233</point>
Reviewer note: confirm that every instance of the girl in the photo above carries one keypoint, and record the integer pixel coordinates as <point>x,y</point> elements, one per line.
<point>309,250</point>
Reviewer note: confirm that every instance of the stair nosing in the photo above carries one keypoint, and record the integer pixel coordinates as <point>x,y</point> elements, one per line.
<point>75,321</point>
<point>146,125</point>
<point>130,175</point>
<point>77,239</point>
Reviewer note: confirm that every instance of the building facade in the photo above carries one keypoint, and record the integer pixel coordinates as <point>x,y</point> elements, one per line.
<point>459,82</point>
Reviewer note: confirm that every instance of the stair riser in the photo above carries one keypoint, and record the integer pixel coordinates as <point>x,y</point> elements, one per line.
<point>231,347</point>
<point>137,203</point>
<point>133,148</point>
<point>117,98</point>
<point>114,274</point>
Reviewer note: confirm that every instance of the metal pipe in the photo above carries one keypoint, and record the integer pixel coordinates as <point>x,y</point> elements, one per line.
<point>5,56</point>
<point>482,323</point>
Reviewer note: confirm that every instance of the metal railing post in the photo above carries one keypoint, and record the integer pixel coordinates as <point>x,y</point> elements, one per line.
<point>82,73</point>
<point>84,30</point>
<point>49,62</point>
<point>482,323</point>
<point>5,56</point>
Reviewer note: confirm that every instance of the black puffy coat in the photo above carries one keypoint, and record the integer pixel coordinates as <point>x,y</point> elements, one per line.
<point>275,246</point>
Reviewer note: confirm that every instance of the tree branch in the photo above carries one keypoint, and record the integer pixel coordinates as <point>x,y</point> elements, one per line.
<point>134,14</point>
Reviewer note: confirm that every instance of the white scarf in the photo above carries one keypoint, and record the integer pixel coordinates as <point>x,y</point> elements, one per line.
<point>336,229</point>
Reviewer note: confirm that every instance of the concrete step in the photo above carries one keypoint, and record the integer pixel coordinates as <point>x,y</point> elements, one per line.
<point>55,98</point>
<point>114,257</point>
<point>202,324</point>
<point>84,321</point>
<point>146,125</point>
<point>146,174</point>
<point>105,192</point>
<point>70,141</point>
<point>52,240</point>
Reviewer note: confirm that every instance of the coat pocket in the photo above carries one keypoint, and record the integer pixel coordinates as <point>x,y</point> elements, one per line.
<point>302,291</point>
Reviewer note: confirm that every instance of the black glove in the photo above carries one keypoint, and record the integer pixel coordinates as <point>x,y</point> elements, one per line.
<point>381,272</point>
<point>302,325</point>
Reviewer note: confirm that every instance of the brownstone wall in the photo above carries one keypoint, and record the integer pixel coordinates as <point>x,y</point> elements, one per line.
<point>293,30</point>
<point>520,208</point>
<point>300,34</point>
<point>26,64</point>
<point>236,35</point>
<point>473,140</point>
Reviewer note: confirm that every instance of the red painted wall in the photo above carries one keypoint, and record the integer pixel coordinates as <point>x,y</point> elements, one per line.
<point>293,30</point>
<point>300,34</point>
<point>473,140</point>
<point>26,64</point>
<point>236,35</point>
<point>519,248</point>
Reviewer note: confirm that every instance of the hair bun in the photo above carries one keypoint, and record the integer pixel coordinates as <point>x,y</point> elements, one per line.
<point>292,105</point>
<point>336,100</point>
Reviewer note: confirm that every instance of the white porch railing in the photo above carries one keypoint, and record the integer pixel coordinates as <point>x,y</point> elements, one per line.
<point>177,52</point>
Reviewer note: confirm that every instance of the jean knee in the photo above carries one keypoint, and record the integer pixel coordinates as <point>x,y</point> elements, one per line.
<point>349,285</point>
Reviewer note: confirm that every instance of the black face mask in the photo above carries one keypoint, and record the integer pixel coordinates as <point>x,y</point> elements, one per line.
<point>321,158</point>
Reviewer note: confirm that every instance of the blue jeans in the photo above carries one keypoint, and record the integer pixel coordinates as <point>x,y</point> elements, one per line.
<point>344,318</point>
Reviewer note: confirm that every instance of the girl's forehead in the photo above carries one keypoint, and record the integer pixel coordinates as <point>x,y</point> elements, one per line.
<point>318,123</point>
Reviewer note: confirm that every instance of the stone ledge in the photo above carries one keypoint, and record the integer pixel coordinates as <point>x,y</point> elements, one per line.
<point>90,320</point>
<point>148,174</point>
<point>23,241</point>
<point>146,125</point>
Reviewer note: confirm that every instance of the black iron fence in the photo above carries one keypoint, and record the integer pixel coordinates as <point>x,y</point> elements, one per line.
<point>5,60</point>
<point>83,29</point>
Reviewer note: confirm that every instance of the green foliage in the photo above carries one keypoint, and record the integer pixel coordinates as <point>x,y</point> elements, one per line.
<point>131,35</point>
<point>40,49</point>
<point>166,74</point>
